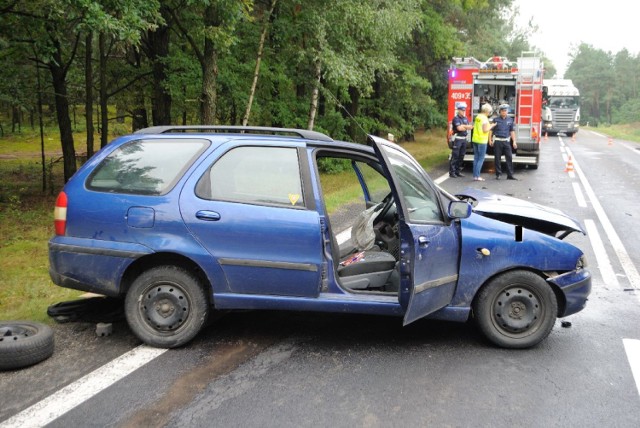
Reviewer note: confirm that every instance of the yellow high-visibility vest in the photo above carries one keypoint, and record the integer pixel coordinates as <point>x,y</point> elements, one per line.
<point>479,136</point>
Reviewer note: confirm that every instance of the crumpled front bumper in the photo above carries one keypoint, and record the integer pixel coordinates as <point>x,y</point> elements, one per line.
<point>575,287</point>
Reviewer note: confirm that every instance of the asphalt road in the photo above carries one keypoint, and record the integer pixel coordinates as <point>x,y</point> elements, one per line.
<point>306,369</point>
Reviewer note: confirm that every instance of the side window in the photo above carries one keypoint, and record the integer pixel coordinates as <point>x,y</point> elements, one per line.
<point>349,187</point>
<point>420,199</point>
<point>255,175</point>
<point>376,183</point>
<point>146,167</point>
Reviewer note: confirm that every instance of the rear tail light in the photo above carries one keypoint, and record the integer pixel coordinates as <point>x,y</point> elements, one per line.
<point>60,214</point>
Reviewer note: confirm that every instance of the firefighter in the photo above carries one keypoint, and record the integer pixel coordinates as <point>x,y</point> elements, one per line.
<point>460,125</point>
<point>502,139</point>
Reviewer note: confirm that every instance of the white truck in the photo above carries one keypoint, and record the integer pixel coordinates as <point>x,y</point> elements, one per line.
<point>560,107</point>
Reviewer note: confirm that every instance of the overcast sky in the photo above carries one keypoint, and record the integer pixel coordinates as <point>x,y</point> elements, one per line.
<point>610,25</point>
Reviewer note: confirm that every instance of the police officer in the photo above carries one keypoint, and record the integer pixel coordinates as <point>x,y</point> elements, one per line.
<point>460,125</point>
<point>502,136</point>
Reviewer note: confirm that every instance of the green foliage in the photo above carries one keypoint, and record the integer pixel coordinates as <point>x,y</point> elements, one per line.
<point>383,64</point>
<point>333,165</point>
<point>606,83</point>
<point>629,112</point>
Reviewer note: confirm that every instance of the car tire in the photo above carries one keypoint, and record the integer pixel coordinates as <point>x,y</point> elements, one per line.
<point>516,310</point>
<point>166,307</point>
<point>24,343</point>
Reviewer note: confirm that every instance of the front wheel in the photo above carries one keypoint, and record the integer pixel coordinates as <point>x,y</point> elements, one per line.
<point>516,310</point>
<point>166,307</point>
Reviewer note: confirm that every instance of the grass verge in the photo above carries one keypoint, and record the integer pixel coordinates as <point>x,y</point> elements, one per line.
<point>627,131</point>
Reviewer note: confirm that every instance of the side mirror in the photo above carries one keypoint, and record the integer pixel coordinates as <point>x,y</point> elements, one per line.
<point>459,209</point>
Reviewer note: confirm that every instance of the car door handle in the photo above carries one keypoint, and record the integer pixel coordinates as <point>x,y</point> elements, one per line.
<point>208,215</point>
<point>423,241</point>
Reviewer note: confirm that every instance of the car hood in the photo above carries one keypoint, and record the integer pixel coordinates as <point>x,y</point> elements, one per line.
<point>516,211</point>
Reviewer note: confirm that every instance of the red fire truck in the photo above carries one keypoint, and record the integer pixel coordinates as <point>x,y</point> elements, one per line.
<point>499,81</point>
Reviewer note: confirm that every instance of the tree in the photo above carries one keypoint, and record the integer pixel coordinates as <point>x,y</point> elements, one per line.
<point>53,30</point>
<point>256,74</point>
<point>210,27</point>
<point>592,73</point>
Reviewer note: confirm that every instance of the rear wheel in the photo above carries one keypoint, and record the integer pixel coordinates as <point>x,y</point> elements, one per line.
<point>166,307</point>
<point>516,310</point>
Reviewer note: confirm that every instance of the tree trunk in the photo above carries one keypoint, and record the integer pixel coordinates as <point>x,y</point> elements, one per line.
<point>256,73</point>
<point>209,72</point>
<point>353,107</point>
<point>104,98</point>
<point>16,118</point>
<point>158,52</point>
<point>58,79</point>
<point>139,113</point>
<point>88,84</point>
<point>139,116</point>
<point>313,108</point>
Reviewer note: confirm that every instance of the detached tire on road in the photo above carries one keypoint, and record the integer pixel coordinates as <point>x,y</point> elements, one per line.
<point>24,343</point>
<point>516,310</point>
<point>166,306</point>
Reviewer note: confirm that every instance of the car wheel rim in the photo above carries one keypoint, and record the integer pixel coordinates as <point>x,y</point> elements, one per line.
<point>165,307</point>
<point>517,310</point>
<point>15,332</point>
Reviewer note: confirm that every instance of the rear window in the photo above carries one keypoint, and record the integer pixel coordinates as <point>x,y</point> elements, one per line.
<point>146,167</point>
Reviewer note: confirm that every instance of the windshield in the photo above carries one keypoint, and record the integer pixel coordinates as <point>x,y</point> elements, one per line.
<point>564,102</point>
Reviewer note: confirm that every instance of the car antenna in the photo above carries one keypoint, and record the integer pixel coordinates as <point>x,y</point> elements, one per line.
<point>339,104</point>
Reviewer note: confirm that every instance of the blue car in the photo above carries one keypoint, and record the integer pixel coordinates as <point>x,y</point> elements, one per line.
<point>182,221</point>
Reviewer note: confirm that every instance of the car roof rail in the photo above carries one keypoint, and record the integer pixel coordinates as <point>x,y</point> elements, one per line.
<point>258,130</point>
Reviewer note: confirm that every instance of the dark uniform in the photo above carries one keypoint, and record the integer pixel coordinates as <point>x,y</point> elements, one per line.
<point>502,144</point>
<point>459,145</point>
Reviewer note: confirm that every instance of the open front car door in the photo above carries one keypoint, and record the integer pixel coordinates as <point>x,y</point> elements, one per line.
<point>430,248</point>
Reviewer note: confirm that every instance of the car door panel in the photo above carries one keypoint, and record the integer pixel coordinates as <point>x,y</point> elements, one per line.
<point>434,269</point>
<point>270,248</point>
<point>430,248</point>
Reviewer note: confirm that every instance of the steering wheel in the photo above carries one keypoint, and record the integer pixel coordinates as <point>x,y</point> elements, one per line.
<point>386,203</point>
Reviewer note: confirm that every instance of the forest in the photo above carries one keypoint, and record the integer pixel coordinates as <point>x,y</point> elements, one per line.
<point>344,67</point>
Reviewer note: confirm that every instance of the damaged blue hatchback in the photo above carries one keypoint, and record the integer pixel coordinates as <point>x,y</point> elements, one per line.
<point>181,221</point>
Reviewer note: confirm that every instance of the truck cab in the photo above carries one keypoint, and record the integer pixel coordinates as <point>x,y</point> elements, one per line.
<point>560,107</point>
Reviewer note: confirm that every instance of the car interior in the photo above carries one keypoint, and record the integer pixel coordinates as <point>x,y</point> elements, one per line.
<point>364,229</point>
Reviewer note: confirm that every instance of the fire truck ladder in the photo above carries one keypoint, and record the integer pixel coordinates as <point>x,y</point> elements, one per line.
<point>529,77</point>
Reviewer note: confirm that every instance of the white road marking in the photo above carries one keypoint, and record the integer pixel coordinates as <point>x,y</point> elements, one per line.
<point>632,348</point>
<point>634,148</point>
<point>579,196</point>
<point>343,236</point>
<point>622,254</point>
<point>441,178</point>
<point>59,403</point>
<point>608,275</point>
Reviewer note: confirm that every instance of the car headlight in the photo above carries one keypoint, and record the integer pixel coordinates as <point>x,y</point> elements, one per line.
<point>581,263</point>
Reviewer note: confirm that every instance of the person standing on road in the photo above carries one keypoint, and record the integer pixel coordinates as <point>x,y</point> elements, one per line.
<point>502,139</point>
<point>460,125</point>
<point>480,138</point>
